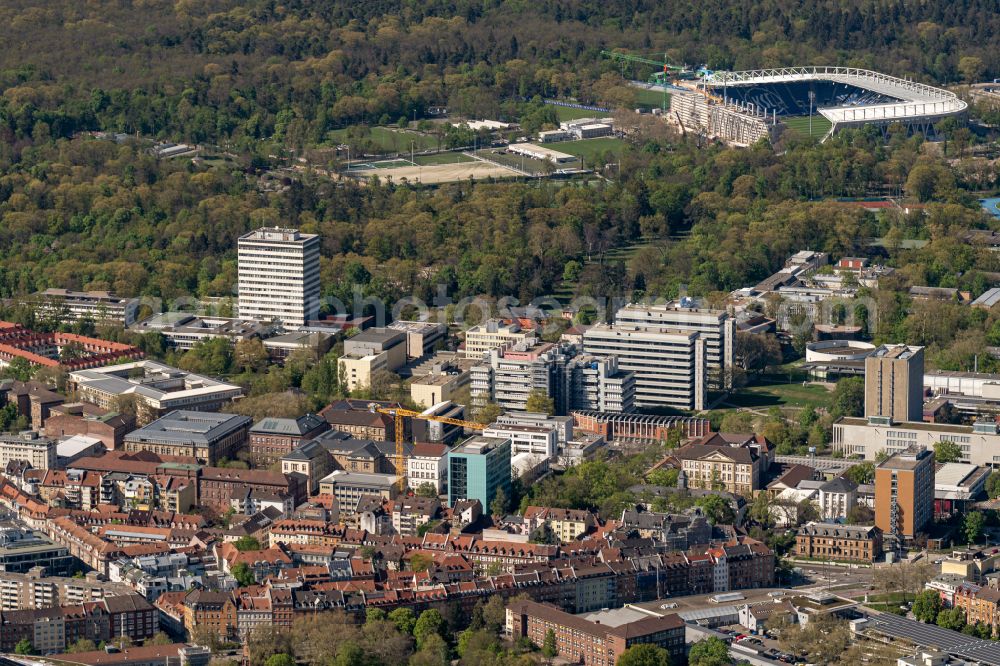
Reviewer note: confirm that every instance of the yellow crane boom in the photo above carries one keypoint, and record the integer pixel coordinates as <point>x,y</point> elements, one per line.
<point>399,414</point>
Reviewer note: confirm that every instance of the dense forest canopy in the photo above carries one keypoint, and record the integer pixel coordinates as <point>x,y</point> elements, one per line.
<point>219,70</point>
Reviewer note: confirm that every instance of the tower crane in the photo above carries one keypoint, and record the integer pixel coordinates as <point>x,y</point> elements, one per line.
<point>399,414</point>
<point>661,78</point>
<point>657,77</point>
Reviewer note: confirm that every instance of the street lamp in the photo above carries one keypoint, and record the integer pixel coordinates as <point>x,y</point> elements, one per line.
<point>812,98</point>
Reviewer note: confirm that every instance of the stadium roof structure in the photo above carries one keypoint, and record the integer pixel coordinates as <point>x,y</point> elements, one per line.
<point>898,100</point>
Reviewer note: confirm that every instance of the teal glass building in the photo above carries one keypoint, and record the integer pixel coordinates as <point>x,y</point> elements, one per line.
<point>477,468</point>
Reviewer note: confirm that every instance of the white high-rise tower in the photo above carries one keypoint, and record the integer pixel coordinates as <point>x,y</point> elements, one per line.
<point>279,276</point>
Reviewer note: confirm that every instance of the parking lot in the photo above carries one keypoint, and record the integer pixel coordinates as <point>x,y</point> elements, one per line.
<point>767,646</point>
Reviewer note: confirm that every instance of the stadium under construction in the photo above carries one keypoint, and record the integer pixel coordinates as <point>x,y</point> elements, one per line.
<point>740,108</point>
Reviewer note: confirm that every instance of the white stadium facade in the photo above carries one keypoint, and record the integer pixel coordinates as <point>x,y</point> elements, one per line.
<point>740,107</point>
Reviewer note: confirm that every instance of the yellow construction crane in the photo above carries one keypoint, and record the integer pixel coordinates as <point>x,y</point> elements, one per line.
<point>400,413</point>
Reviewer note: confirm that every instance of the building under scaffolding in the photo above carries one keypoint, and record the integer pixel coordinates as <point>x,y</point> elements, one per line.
<point>731,123</point>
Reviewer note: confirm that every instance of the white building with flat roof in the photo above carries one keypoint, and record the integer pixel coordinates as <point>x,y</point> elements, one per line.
<point>716,328</point>
<point>536,440</point>
<point>490,335</point>
<point>421,336</point>
<point>979,443</point>
<point>670,366</point>
<point>279,276</point>
<point>97,306</point>
<point>159,387</point>
<point>540,153</point>
<point>40,451</point>
<point>184,330</point>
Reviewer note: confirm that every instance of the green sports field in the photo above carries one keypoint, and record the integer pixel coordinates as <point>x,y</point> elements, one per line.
<point>650,99</point>
<point>564,113</point>
<point>587,148</point>
<point>390,140</point>
<point>800,125</point>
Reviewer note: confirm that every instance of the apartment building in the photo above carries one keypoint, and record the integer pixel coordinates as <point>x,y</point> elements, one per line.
<point>55,349</point>
<point>50,630</point>
<point>894,384</point>
<point>493,334</point>
<point>428,463</point>
<point>218,485</point>
<point>33,400</point>
<point>71,488</point>
<point>508,375</point>
<point>408,514</point>
<point>904,493</point>
<point>478,468</point>
<point>732,462</point>
<point>40,451</point>
<point>716,327</point>
<point>566,524</point>
<point>37,589</point>
<point>670,366</point>
<point>592,642</point>
<point>840,543</point>
<point>212,610</point>
<point>272,438</point>
<point>349,487</point>
<point>97,306</point>
<point>132,616</point>
<point>981,604</point>
<point>206,436</point>
<point>279,276</point>
<point>596,383</point>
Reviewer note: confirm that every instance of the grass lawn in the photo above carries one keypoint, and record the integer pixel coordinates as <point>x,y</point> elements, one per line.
<point>777,390</point>
<point>442,158</point>
<point>390,140</point>
<point>889,602</point>
<point>564,113</point>
<point>800,125</point>
<point>650,98</point>
<point>587,148</point>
